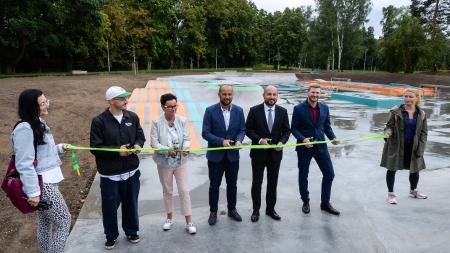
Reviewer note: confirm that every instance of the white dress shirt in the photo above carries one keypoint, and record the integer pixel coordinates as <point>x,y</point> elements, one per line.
<point>52,176</point>
<point>226,116</point>
<point>266,111</point>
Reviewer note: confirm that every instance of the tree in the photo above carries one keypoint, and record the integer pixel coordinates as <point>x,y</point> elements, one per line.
<point>434,16</point>
<point>350,17</point>
<point>191,30</point>
<point>340,21</point>
<point>290,34</point>
<point>116,34</point>
<point>54,33</point>
<point>20,27</point>
<point>163,43</point>
<point>405,44</point>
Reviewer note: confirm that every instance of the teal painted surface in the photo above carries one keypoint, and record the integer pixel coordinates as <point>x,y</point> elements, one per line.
<point>368,99</point>
<point>290,87</point>
<point>237,87</point>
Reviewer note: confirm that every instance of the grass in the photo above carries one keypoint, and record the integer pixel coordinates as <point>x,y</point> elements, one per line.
<point>258,67</point>
<point>123,72</point>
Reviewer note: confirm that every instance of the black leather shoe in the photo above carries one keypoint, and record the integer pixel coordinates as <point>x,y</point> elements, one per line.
<point>329,209</point>
<point>233,214</point>
<point>255,216</point>
<point>273,214</point>
<point>212,220</point>
<point>305,208</point>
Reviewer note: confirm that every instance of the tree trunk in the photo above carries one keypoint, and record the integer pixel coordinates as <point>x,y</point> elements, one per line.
<point>365,57</point>
<point>21,53</point>
<point>436,13</point>
<point>69,62</point>
<point>332,51</point>
<point>9,69</point>
<point>198,61</point>
<point>340,47</point>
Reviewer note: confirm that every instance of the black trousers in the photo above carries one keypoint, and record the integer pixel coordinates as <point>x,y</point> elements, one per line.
<point>273,167</point>
<point>413,177</point>
<point>114,193</point>
<point>216,171</point>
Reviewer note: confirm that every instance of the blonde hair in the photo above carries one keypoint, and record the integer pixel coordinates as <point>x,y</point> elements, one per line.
<point>417,92</point>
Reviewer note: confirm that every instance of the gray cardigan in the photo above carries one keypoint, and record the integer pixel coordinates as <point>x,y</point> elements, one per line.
<point>47,156</point>
<point>159,137</point>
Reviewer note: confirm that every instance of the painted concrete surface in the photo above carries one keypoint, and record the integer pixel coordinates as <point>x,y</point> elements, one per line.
<point>367,223</point>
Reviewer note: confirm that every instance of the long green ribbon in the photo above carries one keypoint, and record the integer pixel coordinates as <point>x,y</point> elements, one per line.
<point>76,166</point>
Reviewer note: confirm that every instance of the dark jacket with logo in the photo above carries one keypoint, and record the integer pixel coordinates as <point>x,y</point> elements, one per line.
<point>106,132</point>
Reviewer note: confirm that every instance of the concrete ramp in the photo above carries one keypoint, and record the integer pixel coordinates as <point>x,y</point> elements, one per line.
<point>367,222</point>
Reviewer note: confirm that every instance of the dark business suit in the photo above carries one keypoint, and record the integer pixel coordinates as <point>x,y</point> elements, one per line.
<point>303,127</point>
<point>223,161</point>
<point>257,128</point>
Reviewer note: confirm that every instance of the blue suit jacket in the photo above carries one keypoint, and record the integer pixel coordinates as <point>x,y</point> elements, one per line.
<point>302,126</point>
<point>214,131</point>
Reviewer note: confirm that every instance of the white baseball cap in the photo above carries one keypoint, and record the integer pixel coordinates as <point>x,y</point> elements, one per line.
<point>116,92</point>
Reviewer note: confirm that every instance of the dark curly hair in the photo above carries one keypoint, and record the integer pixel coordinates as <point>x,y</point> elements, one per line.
<point>166,97</point>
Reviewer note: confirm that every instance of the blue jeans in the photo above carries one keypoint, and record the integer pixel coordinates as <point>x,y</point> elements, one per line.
<point>325,165</point>
<point>114,193</point>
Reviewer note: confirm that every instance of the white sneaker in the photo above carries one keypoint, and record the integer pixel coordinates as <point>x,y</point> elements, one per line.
<point>417,195</point>
<point>191,229</point>
<point>392,198</point>
<point>167,225</point>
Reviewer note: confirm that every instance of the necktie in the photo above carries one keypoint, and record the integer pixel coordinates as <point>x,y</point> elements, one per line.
<point>270,120</point>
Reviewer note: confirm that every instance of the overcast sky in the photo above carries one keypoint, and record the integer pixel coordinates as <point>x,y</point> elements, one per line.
<point>375,15</point>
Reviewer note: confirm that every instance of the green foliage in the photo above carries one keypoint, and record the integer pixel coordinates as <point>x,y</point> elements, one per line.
<point>60,35</point>
<point>404,44</point>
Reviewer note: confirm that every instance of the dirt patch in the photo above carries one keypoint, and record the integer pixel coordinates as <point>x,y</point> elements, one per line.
<point>75,100</point>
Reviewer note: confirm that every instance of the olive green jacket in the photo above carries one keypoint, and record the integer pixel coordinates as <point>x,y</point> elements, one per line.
<point>392,157</point>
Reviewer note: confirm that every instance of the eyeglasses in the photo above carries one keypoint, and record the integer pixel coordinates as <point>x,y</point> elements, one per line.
<point>45,103</point>
<point>121,98</point>
<point>170,107</point>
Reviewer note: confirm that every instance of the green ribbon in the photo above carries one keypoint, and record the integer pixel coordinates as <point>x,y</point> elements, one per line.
<point>76,166</point>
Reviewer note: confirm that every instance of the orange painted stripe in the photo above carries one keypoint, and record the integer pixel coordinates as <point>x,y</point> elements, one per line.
<point>160,91</point>
<point>132,97</point>
<point>165,87</point>
<point>164,84</point>
<point>141,104</point>
<point>183,112</point>
<point>135,98</point>
<point>194,139</point>
<point>153,111</point>
<point>392,91</point>
<point>193,134</point>
<point>156,88</point>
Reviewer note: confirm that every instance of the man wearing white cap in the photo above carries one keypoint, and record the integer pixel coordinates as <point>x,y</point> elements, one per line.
<point>117,127</point>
